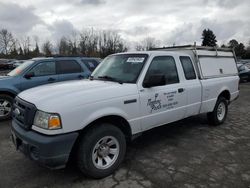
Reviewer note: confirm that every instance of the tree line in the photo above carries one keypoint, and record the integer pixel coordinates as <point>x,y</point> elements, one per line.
<point>90,42</point>
<point>241,51</point>
<point>94,43</point>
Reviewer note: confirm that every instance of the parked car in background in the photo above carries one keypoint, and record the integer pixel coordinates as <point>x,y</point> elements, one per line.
<point>7,65</point>
<point>244,72</point>
<point>91,63</point>
<point>245,61</point>
<point>40,71</point>
<point>18,63</point>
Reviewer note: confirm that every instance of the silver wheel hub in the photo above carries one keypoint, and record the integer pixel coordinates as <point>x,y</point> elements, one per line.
<point>105,152</point>
<point>221,111</point>
<point>5,107</point>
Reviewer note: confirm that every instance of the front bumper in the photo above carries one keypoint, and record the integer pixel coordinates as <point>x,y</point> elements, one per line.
<point>50,151</point>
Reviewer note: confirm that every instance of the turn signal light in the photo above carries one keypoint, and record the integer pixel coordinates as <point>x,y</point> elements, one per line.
<point>54,122</point>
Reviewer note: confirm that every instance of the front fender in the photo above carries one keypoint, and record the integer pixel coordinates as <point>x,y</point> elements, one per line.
<point>109,111</point>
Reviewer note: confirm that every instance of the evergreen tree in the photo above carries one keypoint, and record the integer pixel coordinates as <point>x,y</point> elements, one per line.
<point>239,48</point>
<point>63,47</point>
<point>36,50</point>
<point>20,51</point>
<point>233,43</point>
<point>209,38</point>
<point>14,53</point>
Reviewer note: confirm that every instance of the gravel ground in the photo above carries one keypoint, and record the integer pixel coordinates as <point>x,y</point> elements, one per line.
<point>188,153</point>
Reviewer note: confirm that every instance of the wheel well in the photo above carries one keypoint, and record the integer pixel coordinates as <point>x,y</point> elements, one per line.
<point>117,121</point>
<point>225,94</point>
<point>8,93</point>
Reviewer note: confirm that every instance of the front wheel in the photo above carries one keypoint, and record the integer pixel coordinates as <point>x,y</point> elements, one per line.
<point>5,106</point>
<point>219,113</point>
<point>101,150</point>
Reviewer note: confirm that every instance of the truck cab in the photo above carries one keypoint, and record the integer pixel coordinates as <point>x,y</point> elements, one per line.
<point>126,95</point>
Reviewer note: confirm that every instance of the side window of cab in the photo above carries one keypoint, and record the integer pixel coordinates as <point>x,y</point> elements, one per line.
<point>188,68</point>
<point>165,66</point>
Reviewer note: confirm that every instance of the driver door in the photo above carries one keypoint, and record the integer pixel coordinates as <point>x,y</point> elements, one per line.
<point>162,104</point>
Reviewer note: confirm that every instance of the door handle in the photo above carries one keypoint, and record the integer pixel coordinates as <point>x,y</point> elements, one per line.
<point>180,90</point>
<point>51,79</point>
<point>80,76</point>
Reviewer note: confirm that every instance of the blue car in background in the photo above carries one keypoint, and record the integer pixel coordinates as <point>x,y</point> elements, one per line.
<point>40,71</point>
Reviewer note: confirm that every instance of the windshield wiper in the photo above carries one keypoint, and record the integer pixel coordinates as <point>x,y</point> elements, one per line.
<point>109,78</point>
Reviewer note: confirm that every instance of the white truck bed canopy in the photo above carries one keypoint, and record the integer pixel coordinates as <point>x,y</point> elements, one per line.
<point>209,61</point>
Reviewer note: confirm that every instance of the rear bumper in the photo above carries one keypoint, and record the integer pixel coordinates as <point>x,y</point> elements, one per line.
<point>50,151</point>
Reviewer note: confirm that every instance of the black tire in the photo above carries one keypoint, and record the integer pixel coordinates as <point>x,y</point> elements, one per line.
<point>88,143</point>
<point>8,98</point>
<point>213,118</point>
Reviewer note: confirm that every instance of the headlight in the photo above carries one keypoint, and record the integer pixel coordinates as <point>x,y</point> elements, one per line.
<point>47,120</point>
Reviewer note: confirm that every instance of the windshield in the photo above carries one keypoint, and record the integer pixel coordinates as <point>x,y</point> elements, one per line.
<point>123,68</point>
<point>19,70</point>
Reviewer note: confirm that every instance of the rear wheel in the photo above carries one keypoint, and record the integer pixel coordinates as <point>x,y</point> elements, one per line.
<point>101,150</point>
<point>5,106</point>
<point>219,113</point>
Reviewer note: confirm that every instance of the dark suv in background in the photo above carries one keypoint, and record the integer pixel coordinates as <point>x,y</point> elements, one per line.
<point>40,71</point>
<point>244,72</point>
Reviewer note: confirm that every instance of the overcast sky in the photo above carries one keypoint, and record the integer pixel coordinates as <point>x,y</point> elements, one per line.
<point>179,21</point>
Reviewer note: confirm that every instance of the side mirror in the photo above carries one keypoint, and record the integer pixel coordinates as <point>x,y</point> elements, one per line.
<point>154,80</point>
<point>29,75</point>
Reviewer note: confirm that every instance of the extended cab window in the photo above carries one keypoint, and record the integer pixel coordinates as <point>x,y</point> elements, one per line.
<point>188,67</point>
<point>164,65</point>
<point>68,66</point>
<point>91,64</point>
<point>44,69</point>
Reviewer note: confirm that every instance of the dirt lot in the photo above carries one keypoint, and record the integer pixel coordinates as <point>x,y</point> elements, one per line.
<point>188,153</point>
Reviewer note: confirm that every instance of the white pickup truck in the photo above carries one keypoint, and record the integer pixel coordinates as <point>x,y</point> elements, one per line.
<point>127,94</point>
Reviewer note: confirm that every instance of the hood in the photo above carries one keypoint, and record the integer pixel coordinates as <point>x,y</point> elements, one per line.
<point>5,78</point>
<point>71,94</point>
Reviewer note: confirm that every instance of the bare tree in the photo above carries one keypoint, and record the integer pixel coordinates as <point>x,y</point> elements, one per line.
<point>25,44</point>
<point>139,47</point>
<point>47,48</point>
<point>100,43</point>
<point>147,43</point>
<point>73,43</point>
<point>63,46</point>
<point>7,41</point>
<point>89,42</point>
<point>110,42</point>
